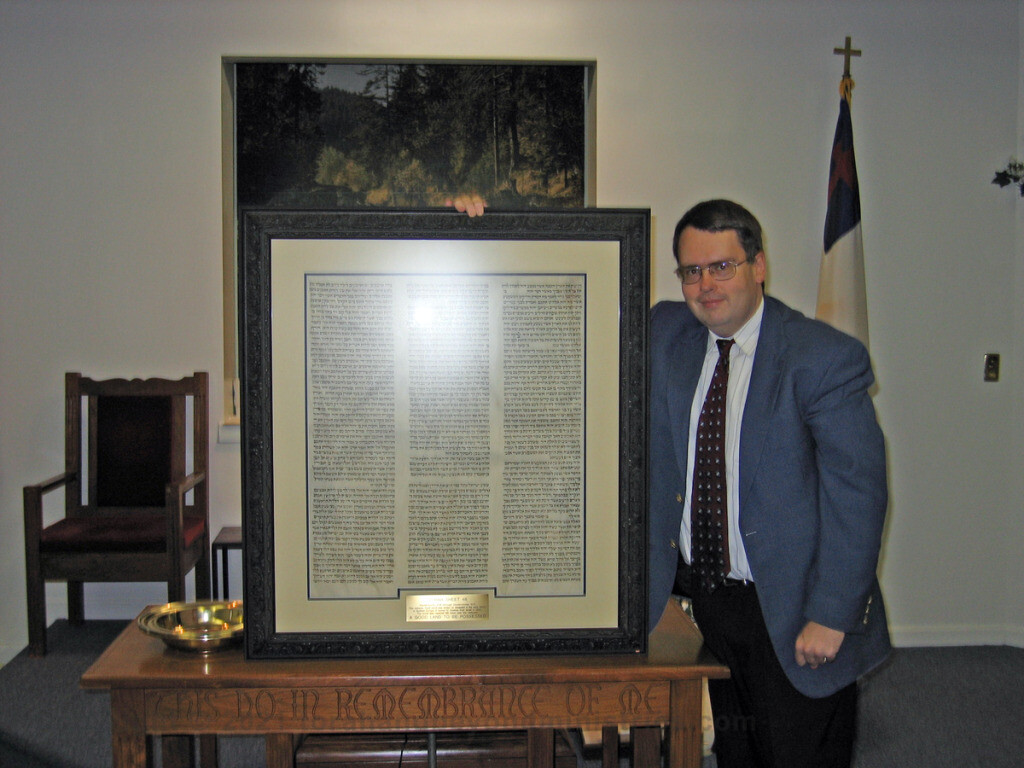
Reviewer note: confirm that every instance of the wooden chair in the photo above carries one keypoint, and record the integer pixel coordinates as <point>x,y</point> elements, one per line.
<point>133,523</point>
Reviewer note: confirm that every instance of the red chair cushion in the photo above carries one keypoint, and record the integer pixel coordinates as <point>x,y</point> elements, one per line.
<point>140,532</point>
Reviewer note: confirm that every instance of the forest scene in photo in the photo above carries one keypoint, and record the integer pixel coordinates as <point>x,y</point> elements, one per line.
<point>313,135</point>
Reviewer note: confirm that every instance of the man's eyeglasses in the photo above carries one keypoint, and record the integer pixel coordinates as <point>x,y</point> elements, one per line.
<point>720,270</point>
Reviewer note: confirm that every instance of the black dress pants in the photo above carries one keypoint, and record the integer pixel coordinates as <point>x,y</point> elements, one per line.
<point>760,719</point>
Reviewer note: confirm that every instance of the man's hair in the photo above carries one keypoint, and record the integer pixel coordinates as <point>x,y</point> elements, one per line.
<point>721,216</point>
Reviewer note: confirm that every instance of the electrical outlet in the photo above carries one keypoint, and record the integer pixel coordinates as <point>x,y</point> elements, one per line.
<point>992,367</point>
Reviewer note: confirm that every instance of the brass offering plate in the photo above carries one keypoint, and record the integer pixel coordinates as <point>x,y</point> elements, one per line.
<point>201,627</point>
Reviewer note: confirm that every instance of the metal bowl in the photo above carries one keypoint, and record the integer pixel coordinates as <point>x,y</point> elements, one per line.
<point>202,627</point>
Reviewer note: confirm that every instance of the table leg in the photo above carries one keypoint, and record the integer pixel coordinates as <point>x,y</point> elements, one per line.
<point>224,570</point>
<point>208,751</point>
<point>281,750</point>
<point>685,737</point>
<point>540,748</point>
<point>177,751</point>
<point>610,746</point>
<point>128,728</point>
<point>216,565</point>
<point>646,746</point>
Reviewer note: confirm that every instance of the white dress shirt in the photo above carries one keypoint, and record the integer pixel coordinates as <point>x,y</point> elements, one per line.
<point>741,361</point>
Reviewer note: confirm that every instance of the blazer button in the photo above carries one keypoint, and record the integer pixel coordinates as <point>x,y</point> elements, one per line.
<point>673,543</point>
<point>679,498</point>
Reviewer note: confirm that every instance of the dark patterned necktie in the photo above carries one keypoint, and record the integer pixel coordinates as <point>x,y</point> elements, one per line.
<point>709,522</point>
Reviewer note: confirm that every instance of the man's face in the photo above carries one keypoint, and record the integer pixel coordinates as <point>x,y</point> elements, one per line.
<point>722,305</point>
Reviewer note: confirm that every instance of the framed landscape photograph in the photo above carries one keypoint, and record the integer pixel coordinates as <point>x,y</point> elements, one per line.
<point>392,133</point>
<point>444,431</point>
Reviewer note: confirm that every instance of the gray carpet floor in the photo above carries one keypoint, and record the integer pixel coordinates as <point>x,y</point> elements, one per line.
<point>959,707</point>
<point>927,707</point>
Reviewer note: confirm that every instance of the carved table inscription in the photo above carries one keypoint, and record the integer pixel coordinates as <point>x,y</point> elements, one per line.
<point>406,707</point>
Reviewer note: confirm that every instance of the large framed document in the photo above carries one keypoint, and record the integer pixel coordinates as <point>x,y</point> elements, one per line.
<point>444,431</point>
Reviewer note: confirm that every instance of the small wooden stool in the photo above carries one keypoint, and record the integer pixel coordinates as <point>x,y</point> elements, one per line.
<point>230,537</point>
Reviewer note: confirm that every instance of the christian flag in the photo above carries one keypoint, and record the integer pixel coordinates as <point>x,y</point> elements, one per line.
<point>842,300</point>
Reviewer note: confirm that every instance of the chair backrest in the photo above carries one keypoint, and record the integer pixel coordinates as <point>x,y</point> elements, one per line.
<point>130,450</point>
<point>136,440</point>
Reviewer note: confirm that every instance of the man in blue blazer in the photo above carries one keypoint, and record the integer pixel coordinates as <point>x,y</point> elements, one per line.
<point>798,617</point>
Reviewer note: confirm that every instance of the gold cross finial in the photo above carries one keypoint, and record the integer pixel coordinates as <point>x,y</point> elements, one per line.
<point>846,52</point>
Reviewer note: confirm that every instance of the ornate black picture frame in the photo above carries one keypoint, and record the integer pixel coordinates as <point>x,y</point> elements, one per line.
<point>558,301</point>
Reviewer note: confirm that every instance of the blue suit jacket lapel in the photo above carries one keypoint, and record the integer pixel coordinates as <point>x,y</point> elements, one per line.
<point>762,394</point>
<point>686,362</point>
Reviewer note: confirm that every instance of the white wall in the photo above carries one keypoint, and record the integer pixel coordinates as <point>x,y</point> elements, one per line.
<point>110,198</point>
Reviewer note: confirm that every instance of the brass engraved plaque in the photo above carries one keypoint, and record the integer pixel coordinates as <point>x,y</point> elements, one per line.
<point>471,606</point>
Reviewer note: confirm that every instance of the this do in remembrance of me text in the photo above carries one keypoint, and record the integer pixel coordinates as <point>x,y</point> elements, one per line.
<point>445,433</point>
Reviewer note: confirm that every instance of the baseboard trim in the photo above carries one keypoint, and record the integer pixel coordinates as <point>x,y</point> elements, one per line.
<point>956,634</point>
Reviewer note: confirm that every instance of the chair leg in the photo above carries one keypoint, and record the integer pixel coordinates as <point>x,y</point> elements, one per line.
<point>176,590</point>
<point>36,615</point>
<point>35,584</point>
<point>76,602</point>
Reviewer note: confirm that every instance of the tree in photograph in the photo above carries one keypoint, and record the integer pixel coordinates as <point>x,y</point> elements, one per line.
<point>278,154</point>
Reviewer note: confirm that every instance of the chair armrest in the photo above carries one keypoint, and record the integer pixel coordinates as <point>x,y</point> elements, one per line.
<point>53,483</point>
<point>33,500</point>
<point>178,488</point>
<point>175,501</point>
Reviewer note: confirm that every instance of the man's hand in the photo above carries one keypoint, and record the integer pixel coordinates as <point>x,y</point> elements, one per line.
<point>817,644</point>
<point>473,204</point>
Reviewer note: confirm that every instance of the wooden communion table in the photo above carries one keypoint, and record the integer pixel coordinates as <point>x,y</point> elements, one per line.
<point>155,690</point>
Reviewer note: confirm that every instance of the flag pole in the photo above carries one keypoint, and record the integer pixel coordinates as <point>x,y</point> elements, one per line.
<point>842,299</point>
